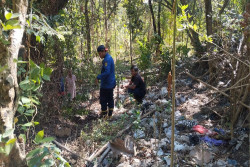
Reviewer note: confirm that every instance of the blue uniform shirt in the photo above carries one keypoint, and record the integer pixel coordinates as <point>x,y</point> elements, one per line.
<point>107,75</point>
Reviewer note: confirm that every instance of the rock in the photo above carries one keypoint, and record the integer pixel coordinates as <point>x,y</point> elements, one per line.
<point>182,99</point>
<point>165,124</point>
<point>152,107</point>
<point>139,134</point>
<point>247,163</point>
<point>151,95</point>
<point>177,102</point>
<point>145,122</point>
<point>221,163</point>
<point>197,153</point>
<point>153,122</point>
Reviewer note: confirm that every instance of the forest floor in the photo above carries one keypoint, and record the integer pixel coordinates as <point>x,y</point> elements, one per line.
<point>202,133</point>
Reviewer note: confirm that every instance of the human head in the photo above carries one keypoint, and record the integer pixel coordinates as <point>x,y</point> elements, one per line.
<point>70,72</point>
<point>134,70</point>
<point>101,51</point>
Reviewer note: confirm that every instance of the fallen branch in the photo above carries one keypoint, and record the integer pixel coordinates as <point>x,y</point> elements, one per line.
<point>92,157</point>
<point>104,155</point>
<point>74,155</point>
<point>217,90</point>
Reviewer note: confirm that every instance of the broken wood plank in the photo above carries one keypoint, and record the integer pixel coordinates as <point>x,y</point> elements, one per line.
<point>92,157</point>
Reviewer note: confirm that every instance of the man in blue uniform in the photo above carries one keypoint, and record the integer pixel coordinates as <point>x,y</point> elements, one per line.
<point>108,82</point>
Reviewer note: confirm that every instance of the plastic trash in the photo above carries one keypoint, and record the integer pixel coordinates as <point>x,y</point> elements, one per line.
<point>203,130</point>
<point>185,124</point>
<point>220,131</point>
<point>194,140</point>
<point>232,162</point>
<point>212,142</point>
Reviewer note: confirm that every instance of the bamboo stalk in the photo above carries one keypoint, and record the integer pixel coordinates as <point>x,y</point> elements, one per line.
<point>173,85</point>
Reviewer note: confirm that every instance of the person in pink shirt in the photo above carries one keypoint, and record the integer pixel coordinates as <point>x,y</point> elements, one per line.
<point>71,84</point>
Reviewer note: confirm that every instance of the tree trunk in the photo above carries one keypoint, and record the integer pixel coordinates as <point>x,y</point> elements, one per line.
<point>153,17</point>
<point>87,29</point>
<point>105,22</point>
<point>130,46</point>
<point>194,36</point>
<point>9,86</point>
<point>156,35</point>
<point>158,49</point>
<point>208,13</point>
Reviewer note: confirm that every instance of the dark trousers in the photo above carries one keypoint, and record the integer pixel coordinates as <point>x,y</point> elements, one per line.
<point>107,100</point>
<point>138,94</point>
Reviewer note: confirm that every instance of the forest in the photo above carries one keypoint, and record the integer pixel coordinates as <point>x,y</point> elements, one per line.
<point>126,83</point>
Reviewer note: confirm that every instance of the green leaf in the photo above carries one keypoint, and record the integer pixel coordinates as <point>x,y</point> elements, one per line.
<point>11,141</point>
<point>8,148</point>
<point>12,23</point>
<point>46,77</point>
<point>8,133</point>
<point>25,100</point>
<point>5,42</point>
<point>8,15</point>
<point>38,38</point>
<point>49,162</point>
<point>34,152</point>
<point>47,140</point>
<point>37,160</point>
<point>24,82</point>
<point>2,150</point>
<point>35,101</point>
<point>35,88</point>
<point>15,15</point>
<point>29,112</point>
<point>36,123</point>
<point>47,71</point>
<point>39,136</point>
<point>27,124</point>
<point>21,109</point>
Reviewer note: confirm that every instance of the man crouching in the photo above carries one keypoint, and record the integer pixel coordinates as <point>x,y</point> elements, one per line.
<point>136,86</point>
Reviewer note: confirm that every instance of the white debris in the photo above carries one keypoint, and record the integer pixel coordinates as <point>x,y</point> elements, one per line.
<point>139,134</point>
<point>160,152</point>
<point>164,91</point>
<point>168,160</point>
<point>180,147</point>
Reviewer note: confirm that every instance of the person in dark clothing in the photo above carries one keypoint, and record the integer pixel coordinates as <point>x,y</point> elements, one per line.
<point>108,82</point>
<point>136,86</point>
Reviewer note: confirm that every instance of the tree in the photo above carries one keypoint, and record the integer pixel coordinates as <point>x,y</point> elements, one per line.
<point>9,86</point>
<point>192,34</point>
<point>87,28</point>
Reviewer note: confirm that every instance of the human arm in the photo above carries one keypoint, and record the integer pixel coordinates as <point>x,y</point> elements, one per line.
<point>107,67</point>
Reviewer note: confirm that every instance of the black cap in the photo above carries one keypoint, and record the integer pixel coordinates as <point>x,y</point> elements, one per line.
<point>101,48</point>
